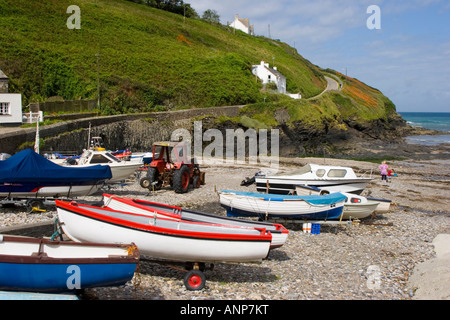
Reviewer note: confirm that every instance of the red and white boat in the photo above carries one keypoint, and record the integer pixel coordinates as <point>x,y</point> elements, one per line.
<point>151,209</point>
<point>164,238</point>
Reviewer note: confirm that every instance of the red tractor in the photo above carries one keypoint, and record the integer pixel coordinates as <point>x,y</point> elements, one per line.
<point>170,166</point>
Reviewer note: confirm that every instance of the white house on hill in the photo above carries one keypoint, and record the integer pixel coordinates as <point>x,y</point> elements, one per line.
<point>270,75</point>
<point>10,104</point>
<point>243,25</point>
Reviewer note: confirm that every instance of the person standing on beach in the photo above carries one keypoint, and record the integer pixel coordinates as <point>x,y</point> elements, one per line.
<point>384,171</point>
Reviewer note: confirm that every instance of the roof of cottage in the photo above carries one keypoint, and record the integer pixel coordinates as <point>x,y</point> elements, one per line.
<point>2,75</point>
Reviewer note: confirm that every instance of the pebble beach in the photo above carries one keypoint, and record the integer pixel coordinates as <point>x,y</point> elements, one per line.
<point>374,259</point>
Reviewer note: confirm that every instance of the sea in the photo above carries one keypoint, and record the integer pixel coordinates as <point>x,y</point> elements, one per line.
<point>429,120</point>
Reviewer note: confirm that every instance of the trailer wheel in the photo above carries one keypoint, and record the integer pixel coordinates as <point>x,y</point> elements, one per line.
<point>35,205</point>
<point>195,280</point>
<point>145,182</point>
<point>148,181</point>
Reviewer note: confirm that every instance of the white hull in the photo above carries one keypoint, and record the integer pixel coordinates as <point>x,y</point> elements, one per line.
<point>120,171</point>
<point>123,171</point>
<point>55,192</point>
<point>287,185</point>
<point>166,246</point>
<point>287,209</point>
<point>65,250</point>
<point>359,210</point>
<point>333,178</point>
<point>383,206</point>
<point>278,237</point>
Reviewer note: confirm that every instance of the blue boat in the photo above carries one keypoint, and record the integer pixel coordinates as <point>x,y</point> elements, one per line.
<point>40,265</point>
<point>30,175</point>
<point>267,206</point>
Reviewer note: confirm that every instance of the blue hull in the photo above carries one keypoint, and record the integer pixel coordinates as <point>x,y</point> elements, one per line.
<point>330,214</point>
<point>63,277</point>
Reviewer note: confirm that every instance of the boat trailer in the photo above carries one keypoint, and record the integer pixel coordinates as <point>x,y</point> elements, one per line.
<point>32,204</point>
<point>194,279</point>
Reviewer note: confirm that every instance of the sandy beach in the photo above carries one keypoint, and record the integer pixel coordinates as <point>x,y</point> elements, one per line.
<point>400,255</point>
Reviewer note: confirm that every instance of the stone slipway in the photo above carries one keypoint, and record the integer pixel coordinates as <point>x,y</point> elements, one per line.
<point>431,279</point>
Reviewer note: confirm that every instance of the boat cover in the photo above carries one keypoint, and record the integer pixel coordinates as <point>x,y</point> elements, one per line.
<point>312,199</point>
<point>28,166</point>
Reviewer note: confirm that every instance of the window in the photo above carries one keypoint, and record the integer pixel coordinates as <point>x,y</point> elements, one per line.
<point>98,158</point>
<point>4,108</point>
<point>337,173</point>
<point>320,173</point>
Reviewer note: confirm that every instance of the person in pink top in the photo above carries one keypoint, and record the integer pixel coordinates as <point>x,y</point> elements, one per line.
<point>384,171</point>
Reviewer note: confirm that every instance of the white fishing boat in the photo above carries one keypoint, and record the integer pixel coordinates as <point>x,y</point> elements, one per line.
<point>367,202</point>
<point>268,206</point>
<point>358,207</point>
<point>384,205</point>
<point>333,178</point>
<point>161,238</point>
<point>151,209</point>
<point>120,169</point>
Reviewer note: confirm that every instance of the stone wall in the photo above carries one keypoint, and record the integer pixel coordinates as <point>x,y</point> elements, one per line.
<point>118,131</point>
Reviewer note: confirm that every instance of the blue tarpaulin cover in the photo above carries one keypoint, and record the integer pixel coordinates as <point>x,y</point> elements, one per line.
<point>313,199</point>
<point>28,166</point>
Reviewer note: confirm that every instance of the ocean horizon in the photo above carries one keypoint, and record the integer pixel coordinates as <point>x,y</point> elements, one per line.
<point>439,121</point>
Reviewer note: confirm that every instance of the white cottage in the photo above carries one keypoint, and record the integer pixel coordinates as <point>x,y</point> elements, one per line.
<point>270,75</point>
<point>10,104</point>
<point>243,25</point>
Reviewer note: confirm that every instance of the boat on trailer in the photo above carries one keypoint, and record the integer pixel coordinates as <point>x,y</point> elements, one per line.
<point>166,239</point>
<point>359,206</point>
<point>120,169</point>
<point>30,175</point>
<point>333,178</point>
<point>275,206</point>
<point>278,231</point>
<point>41,265</point>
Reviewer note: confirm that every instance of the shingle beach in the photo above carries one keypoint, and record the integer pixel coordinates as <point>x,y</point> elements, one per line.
<point>376,259</point>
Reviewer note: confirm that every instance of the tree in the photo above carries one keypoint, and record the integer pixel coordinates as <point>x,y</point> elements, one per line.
<point>211,16</point>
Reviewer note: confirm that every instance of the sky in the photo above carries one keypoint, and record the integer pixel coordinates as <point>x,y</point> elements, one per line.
<point>407,57</point>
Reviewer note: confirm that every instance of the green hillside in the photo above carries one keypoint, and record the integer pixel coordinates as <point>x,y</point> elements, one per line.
<point>153,60</point>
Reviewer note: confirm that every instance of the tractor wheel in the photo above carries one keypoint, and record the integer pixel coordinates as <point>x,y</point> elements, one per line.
<point>150,178</point>
<point>181,180</point>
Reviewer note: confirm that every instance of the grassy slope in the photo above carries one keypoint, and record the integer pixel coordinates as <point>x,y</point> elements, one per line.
<point>150,57</point>
<point>141,53</point>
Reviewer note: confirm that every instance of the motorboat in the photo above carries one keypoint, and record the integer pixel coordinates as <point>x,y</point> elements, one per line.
<point>333,178</point>
<point>120,169</point>
<point>41,265</point>
<point>30,175</point>
<point>275,206</point>
<point>151,209</point>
